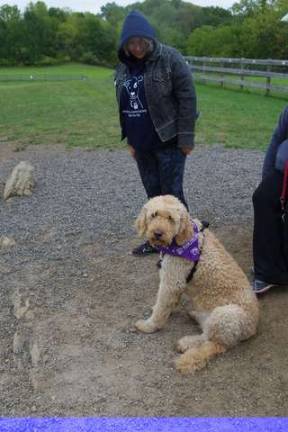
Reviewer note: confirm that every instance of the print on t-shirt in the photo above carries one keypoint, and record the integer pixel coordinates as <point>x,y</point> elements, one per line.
<point>132,87</point>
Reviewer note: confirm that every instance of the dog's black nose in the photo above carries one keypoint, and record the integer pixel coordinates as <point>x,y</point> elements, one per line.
<point>157,234</point>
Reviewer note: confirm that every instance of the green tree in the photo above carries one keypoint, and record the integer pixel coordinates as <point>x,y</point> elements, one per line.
<point>261,35</point>
<point>97,39</point>
<point>113,13</point>
<point>252,7</point>
<point>38,32</point>
<point>215,42</point>
<point>10,34</point>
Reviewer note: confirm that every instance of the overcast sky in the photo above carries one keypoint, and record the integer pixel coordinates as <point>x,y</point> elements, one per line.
<point>95,5</point>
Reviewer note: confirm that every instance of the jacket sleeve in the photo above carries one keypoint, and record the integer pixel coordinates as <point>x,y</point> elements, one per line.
<point>118,89</point>
<point>279,135</point>
<point>184,92</point>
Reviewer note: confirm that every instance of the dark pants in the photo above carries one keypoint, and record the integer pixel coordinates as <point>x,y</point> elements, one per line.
<point>162,172</point>
<point>270,241</point>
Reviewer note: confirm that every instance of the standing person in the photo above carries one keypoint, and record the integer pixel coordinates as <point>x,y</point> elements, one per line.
<point>270,247</point>
<point>157,107</point>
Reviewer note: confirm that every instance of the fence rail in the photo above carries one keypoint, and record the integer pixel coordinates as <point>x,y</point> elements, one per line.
<point>232,71</point>
<point>41,77</point>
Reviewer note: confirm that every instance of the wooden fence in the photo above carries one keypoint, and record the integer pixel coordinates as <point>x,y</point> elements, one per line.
<point>245,73</point>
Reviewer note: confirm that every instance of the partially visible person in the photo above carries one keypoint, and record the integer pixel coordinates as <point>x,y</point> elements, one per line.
<point>270,241</point>
<point>157,107</point>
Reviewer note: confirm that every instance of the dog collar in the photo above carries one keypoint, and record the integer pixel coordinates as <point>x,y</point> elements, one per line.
<point>189,250</point>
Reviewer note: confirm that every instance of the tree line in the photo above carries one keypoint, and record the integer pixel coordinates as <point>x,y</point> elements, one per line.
<point>42,35</point>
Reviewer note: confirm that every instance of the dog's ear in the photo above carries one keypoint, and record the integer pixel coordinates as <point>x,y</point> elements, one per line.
<point>186,230</point>
<point>141,222</point>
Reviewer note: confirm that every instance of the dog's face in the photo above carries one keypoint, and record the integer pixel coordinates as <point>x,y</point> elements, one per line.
<point>162,219</point>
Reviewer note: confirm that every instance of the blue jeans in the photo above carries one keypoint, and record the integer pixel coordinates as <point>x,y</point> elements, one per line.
<point>162,172</point>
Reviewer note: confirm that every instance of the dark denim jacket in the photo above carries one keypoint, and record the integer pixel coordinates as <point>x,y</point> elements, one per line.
<point>169,92</point>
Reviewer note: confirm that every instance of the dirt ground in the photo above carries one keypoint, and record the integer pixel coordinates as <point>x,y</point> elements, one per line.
<point>69,347</point>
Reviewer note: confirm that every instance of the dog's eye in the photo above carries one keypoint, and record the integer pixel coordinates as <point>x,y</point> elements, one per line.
<point>153,215</point>
<point>170,219</point>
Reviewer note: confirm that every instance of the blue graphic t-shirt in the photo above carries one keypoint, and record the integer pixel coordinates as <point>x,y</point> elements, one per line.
<point>138,125</point>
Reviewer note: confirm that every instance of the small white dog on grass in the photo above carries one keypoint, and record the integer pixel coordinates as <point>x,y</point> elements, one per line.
<point>222,301</point>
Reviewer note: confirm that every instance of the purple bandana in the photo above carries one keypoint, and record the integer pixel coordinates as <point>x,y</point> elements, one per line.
<point>189,250</point>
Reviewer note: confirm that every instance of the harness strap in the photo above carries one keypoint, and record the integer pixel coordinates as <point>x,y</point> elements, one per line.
<point>205,225</point>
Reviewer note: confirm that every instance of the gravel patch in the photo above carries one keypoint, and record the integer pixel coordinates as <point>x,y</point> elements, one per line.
<point>98,194</point>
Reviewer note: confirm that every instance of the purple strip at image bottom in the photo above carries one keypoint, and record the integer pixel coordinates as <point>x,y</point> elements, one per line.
<point>144,424</point>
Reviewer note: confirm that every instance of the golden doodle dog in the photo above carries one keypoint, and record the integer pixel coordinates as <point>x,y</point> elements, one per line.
<point>220,296</point>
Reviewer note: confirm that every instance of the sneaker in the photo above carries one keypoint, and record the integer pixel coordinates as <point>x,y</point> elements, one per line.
<point>144,249</point>
<point>259,286</point>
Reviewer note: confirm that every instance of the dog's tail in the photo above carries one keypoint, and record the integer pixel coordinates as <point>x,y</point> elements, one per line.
<point>196,358</point>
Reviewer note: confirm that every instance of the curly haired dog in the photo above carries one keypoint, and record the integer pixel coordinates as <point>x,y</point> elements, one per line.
<point>219,294</point>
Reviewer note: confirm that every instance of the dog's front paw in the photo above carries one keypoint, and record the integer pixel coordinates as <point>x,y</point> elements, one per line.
<point>188,342</point>
<point>146,326</point>
<point>186,365</point>
<point>183,344</point>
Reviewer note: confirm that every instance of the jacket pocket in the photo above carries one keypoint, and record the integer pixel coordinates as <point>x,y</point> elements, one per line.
<point>162,82</point>
<point>161,75</point>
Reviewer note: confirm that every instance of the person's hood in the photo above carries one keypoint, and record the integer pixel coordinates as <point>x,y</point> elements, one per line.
<point>135,25</point>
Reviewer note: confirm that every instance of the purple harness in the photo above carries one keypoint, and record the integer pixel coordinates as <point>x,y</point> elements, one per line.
<point>189,251</point>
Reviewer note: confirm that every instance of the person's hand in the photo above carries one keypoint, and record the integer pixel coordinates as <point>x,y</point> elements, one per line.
<point>132,151</point>
<point>186,150</point>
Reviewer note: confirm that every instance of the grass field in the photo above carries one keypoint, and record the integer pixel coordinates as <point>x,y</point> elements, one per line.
<point>84,113</point>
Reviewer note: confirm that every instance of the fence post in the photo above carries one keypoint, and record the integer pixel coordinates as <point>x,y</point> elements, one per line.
<point>222,74</point>
<point>242,75</point>
<point>268,80</point>
<point>204,71</point>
